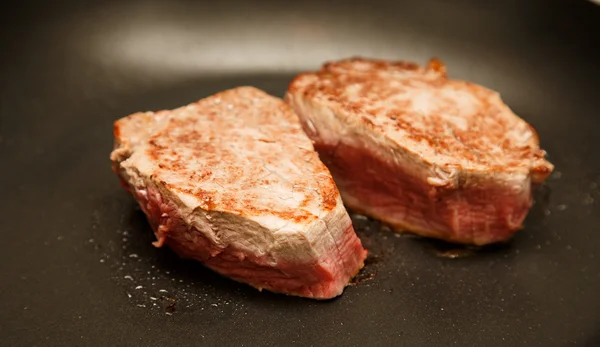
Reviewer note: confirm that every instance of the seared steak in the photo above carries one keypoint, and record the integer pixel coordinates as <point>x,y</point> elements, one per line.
<point>233,181</point>
<point>438,157</point>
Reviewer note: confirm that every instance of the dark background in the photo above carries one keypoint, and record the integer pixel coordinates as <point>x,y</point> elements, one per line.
<point>75,247</point>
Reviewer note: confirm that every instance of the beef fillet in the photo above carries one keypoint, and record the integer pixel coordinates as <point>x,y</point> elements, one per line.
<point>438,157</point>
<point>233,181</point>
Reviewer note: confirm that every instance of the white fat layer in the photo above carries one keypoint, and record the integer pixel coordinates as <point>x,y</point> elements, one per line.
<point>333,129</point>
<point>263,235</point>
<point>326,120</point>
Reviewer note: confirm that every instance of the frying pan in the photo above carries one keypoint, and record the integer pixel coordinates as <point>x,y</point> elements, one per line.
<point>76,263</point>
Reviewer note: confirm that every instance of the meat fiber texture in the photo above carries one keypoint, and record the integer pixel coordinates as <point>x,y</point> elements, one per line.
<point>426,154</point>
<point>233,181</point>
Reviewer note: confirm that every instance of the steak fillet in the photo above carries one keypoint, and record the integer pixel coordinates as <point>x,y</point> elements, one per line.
<point>434,156</point>
<point>233,181</point>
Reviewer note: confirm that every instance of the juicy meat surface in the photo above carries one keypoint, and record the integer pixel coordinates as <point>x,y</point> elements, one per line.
<point>438,157</point>
<point>233,181</point>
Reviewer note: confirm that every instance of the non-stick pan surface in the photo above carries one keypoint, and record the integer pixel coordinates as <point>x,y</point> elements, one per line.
<point>76,263</point>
